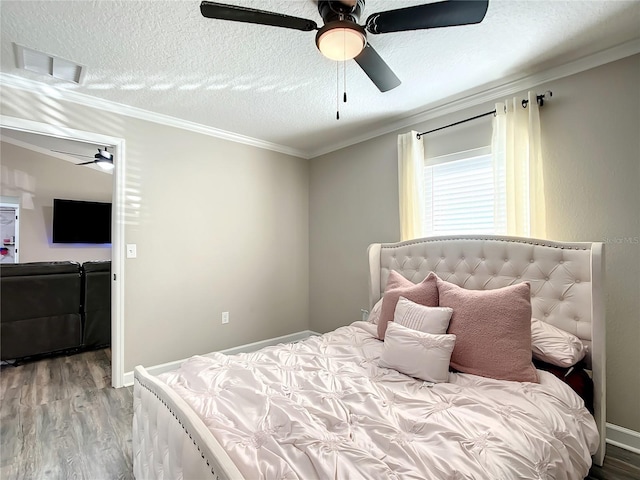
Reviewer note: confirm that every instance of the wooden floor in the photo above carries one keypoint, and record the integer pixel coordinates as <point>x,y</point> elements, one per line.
<point>619,464</point>
<point>60,419</point>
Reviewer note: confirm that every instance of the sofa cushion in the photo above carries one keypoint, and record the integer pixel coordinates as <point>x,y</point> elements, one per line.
<point>37,268</point>
<point>40,308</point>
<point>97,266</point>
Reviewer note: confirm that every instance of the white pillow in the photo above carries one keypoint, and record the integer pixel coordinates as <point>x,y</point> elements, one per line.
<point>555,346</point>
<point>374,315</point>
<point>422,318</point>
<point>417,354</point>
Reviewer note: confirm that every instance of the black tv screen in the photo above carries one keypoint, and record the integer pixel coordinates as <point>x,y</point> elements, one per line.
<point>81,222</point>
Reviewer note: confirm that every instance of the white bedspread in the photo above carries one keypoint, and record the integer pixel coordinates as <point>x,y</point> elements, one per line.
<point>322,408</point>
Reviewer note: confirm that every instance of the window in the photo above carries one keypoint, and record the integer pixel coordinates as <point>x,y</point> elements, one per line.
<point>464,194</point>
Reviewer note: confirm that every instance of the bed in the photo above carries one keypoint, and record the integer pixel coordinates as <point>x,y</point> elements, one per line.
<point>325,407</point>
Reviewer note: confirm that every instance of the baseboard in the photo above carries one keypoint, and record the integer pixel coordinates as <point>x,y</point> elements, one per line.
<point>623,438</point>
<point>249,347</point>
<point>252,347</point>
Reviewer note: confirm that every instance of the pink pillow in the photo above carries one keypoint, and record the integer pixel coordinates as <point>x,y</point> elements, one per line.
<point>492,329</point>
<point>424,293</point>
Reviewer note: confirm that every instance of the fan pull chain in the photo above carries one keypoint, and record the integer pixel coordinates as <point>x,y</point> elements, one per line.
<point>344,64</point>
<point>344,69</point>
<point>337,90</point>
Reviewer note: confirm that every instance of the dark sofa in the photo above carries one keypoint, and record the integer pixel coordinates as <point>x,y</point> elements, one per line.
<point>40,308</point>
<point>48,307</point>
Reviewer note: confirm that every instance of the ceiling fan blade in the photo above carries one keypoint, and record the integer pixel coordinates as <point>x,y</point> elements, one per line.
<point>377,70</point>
<point>250,15</point>
<point>73,154</point>
<point>431,15</point>
<point>86,163</point>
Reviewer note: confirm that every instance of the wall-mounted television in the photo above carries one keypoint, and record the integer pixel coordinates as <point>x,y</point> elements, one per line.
<point>76,221</point>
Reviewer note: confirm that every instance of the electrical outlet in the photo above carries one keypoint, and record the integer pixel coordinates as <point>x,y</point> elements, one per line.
<point>364,314</point>
<point>225,317</point>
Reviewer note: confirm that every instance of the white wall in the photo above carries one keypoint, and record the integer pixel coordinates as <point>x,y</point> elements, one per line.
<point>52,178</point>
<point>219,226</point>
<point>591,142</point>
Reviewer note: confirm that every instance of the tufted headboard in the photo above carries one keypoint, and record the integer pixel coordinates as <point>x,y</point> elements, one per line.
<point>566,283</point>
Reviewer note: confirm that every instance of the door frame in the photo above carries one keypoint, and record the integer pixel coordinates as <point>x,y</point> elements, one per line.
<point>117,224</point>
<point>16,240</point>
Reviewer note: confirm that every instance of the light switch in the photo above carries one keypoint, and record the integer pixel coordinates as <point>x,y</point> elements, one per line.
<point>131,250</point>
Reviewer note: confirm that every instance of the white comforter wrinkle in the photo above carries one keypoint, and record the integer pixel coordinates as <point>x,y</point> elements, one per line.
<point>323,408</point>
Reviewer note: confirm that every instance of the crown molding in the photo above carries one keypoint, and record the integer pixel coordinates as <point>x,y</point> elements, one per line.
<point>468,99</point>
<point>33,86</point>
<point>491,92</point>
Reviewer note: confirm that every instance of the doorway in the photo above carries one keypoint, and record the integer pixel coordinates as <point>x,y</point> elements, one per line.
<point>117,224</point>
<point>9,230</point>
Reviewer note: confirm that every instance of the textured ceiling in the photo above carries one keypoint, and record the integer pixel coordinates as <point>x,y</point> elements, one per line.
<point>272,84</point>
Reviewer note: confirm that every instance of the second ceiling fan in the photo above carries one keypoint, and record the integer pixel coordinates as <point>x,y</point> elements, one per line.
<point>342,38</point>
<point>103,158</point>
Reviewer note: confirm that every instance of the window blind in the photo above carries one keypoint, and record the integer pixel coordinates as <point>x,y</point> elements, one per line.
<point>464,194</point>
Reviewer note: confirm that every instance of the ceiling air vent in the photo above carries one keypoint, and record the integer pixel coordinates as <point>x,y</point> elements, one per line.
<point>46,64</point>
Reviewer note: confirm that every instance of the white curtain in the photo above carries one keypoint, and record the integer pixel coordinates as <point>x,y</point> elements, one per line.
<point>516,151</point>
<point>411,185</point>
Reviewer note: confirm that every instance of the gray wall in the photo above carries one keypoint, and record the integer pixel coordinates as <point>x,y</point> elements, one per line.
<point>53,178</point>
<point>591,143</point>
<point>219,226</point>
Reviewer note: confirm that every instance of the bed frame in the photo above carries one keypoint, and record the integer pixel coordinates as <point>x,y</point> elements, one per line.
<point>566,284</point>
<point>170,440</point>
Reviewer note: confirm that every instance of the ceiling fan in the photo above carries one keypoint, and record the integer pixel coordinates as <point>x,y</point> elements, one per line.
<point>103,158</point>
<point>342,38</point>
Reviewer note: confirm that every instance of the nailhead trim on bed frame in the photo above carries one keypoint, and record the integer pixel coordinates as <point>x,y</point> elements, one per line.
<point>501,239</point>
<point>141,383</point>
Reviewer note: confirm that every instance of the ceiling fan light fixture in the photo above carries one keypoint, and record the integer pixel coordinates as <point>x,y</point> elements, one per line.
<point>104,159</point>
<point>104,164</point>
<point>341,40</point>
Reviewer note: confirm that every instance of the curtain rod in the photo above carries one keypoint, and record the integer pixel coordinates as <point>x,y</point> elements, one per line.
<point>525,102</point>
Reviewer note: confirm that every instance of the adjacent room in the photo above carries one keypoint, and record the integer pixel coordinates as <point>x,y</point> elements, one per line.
<point>320,239</point>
